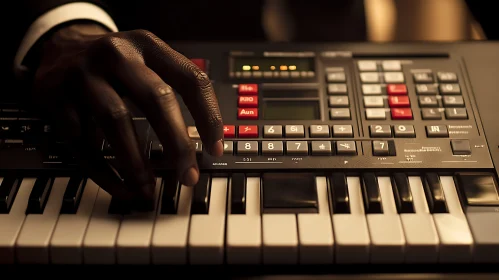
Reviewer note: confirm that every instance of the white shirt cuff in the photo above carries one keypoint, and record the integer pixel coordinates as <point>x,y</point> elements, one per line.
<point>54,17</point>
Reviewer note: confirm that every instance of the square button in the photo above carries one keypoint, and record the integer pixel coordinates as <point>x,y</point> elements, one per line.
<point>394,77</point>
<point>336,77</point>
<point>367,65</point>
<point>321,148</point>
<point>248,131</point>
<point>272,131</point>
<point>437,131</point>
<point>319,131</point>
<point>346,148</point>
<point>375,114</point>
<point>460,147</point>
<point>370,77</point>
<point>339,101</point>
<point>372,89</point>
<point>374,102</point>
<point>297,148</point>
<point>272,148</point>
<point>380,130</point>
<point>380,148</point>
<point>402,130</point>
<point>228,147</point>
<point>294,131</point>
<point>342,130</point>
<point>334,89</point>
<point>391,65</point>
<point>339,114</point>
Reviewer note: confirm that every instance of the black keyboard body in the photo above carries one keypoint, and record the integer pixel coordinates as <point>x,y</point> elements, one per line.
<point>319,108</point>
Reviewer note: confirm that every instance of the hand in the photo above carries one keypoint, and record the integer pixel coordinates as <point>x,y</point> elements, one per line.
<point>83,76</point>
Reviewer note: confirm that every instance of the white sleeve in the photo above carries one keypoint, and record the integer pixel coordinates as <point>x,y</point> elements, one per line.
<point>54,17</point>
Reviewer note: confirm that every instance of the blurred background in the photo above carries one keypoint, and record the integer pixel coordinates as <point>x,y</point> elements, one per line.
<point>384,20</point>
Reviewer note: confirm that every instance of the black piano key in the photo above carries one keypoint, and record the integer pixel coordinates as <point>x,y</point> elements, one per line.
<point>8,190</point>
<point>402,193</point>
<point>478,189</point>
<point>371,193</point>
<point>289,193</point>
<point>169,197</point>
<point>201,195</point>
<point>434,193</point>
<point>338,192</point>
<point>72,195</point>
<point>39,195</point>
<point>119,207</point>
<point>238,194</point>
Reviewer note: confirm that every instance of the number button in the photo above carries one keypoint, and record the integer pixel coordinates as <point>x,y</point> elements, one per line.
<point>402,130</point>
<point>447,77</point>
<point>450,89</point>
<point>295,131</point>
<point>380,148</point>
<point>319,131</point>
<point>426,89</point>
<point>272,131</point>
<point>297,148</point>
<point>453,101</point>
<point>247,147</point>
<point>456,113</point>
<point>198,145</point>
<point>423,77</point>
<point>380,130</point>
<point>428,101</point>
<point>431,114</point>
<point>272,148</point>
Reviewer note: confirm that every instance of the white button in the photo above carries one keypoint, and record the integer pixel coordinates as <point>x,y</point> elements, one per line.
<point>367,65</point>
<point>369,77</point>
<point>371,89</point>
<point>373,101</point>
<point>391,65</point>
<point>375,114</point>
<point>394,77</point>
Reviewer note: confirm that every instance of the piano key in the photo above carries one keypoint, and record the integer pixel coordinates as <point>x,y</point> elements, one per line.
<point>402,193</point>
<point>66,245</point>
<point>244,234</point>
<point>480,193</point>
<point>201,195</point>
<point>99,245</point>
<point>207,232</point>
<point>338,189</point>
<point>171,231</point>
<point>434,193</point>
<point>280,239</point>
<point>456,240</point>
<point>32,245</point>
<point>289,193</point>
<point>169,195</point>
<point>371,193</point>
<point>39,195</point>
<point>315,231</point>
<point>73,194</point>
<point>420,232</point>
<point>8,190</point>
<point>238,193</point>
<point>134,237</point>
<point>11,223</point>
<point>350,230</point>
<point>387,236</point>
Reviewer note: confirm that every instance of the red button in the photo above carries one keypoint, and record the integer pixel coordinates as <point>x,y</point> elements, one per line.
<point>396,89</point>
<point>248,101</point>
<point>248,89</point>
<point>401,114</point>
<point>200,63</point>
<point>229,131</point>
<point>247,114</point>
<point>248,131</point>
<point>399,101</point>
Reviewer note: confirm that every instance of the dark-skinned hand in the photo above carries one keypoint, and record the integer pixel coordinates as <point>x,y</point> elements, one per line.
<point>84,74</point>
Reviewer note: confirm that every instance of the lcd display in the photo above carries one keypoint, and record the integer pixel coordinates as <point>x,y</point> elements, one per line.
<point>291,110</point>
<point>244,64</point>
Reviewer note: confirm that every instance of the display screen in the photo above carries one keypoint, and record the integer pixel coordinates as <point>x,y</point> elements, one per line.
<point>244,64</point>
<point>291,110</point>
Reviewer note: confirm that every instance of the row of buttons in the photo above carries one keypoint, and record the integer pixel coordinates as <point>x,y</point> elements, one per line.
<point>302,148</point>
<point>273,74</point>
<point>340,102</point>
<point>247,102</point>
<point>426,76</point>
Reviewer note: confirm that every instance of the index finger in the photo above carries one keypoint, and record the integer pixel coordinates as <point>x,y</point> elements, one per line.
<point>193,85</point>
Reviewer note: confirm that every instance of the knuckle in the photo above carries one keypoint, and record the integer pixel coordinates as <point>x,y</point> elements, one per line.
<point>114,47</point>
<point>162,94</point>
<point>115,113</point>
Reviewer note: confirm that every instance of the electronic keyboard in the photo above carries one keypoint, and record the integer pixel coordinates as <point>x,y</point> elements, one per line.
<point>334,154</point>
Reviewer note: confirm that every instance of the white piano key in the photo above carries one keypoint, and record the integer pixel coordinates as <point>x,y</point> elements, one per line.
<point>280,239</point>
<point>420,232</point>
<point>387,236</point>
<point>32,245</point>
<point>99,245</point>
<point>11,223</point>
<point>207,232</point>
<point>244,233</point>
<point>455,235</point>
<point>170,235</point>
<point>351,234</point>
<point>485,229</point>
<point>315,231</point>
<point>134,237</point>
<point>67,239</point>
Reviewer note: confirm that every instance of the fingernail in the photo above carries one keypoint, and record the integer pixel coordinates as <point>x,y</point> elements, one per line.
<point>191,176</point>
<point>217,149</point>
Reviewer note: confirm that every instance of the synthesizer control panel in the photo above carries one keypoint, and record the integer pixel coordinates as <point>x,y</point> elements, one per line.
<point>333,153</point>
